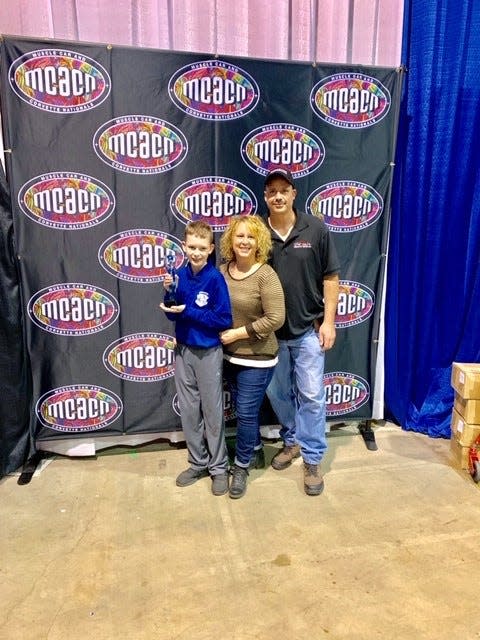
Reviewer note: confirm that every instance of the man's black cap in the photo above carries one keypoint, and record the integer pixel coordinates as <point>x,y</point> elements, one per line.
<point>280,172</point>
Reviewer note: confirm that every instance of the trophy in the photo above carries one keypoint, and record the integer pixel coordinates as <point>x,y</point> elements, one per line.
<point>170,299</point>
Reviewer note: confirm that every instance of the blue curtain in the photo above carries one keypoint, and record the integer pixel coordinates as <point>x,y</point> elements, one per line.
<point>433,286</point>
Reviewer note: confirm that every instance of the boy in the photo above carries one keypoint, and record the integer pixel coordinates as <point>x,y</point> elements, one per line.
<point>201,311</point>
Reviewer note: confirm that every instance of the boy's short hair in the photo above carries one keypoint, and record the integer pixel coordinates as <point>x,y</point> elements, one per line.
<point>201,229</point>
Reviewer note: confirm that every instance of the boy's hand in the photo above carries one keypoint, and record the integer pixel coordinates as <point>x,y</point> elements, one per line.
<point>168,281</point>
<point>178,308</point>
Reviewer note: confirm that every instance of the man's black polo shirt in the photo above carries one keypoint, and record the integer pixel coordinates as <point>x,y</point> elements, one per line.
<point>301,262</point>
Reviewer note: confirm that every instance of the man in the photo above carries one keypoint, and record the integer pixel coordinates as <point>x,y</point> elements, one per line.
<point>306,262</point>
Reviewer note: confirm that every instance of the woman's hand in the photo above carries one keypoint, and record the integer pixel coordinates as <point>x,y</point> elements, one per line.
<point>231,335</point>
<point>228,336</point>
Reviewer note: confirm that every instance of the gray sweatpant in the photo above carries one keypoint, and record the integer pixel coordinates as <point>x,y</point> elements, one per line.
<point>199,383</point>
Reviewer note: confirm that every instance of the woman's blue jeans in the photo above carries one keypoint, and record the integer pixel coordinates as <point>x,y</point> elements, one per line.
<point>248,386</point>
<point>297,395</point>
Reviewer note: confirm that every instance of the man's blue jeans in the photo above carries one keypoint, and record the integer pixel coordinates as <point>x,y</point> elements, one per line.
<point>297,395</point>
<point>248,386</point>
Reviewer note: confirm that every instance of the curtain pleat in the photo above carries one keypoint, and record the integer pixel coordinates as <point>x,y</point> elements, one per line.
<point>358,31</point>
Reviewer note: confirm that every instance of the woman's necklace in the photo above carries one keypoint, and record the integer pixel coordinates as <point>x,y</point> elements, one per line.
<point>240,274</point>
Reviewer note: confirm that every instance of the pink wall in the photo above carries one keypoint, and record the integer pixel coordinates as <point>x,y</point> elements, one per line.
<point>343,31</point>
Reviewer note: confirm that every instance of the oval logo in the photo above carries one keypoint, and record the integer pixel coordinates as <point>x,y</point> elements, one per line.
<point>350,100</point>
<point>282,145</point>
<point>71,309</point>
<point>229,407</point>
<point>78,408</point>
<point>139,255</point>
<point>65,200</point>
<point>344,392</point>
<point>346,206</point>
<point>213,90</point>
<point>212,199</point>
<point>141,357</point>
<point>59,81</point>
<point>356,303</point>
<point>140,144</point>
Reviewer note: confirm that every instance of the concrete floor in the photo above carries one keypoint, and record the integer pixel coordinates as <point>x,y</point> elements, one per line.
<point>109,548</point>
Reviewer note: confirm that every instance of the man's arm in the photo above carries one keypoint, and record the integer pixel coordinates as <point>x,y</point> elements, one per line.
<point>327,332</point>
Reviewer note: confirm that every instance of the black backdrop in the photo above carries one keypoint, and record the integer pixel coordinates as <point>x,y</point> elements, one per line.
<point>110,151</point>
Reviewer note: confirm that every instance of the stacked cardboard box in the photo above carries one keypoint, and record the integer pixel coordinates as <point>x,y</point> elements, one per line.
<point>466,410</point>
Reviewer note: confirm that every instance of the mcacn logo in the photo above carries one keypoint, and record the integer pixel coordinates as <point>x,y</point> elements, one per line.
<point>65,200</point>
<point>356,303</point>
<point>142,357</point>
<point>78,408</point>
<point>282,145</point>
<point>344,392</point>
<point>71,309</point>
<point>140,144</point>
<point>212,199</point>
<point>350,100</point>
<point>213,90</point>
<point>140,255</point>
<point>59,81</point>
<point>346,206</point>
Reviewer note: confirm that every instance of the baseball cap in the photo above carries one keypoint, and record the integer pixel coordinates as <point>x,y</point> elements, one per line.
<point>280,172</point>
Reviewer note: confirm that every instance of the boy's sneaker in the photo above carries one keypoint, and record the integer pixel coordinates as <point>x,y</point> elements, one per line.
<point>284,458</point>
<point>238,485</point>
<point>312,479</point>
<point>189,476</point>
<point>258,459</point>
<point>220,484</point>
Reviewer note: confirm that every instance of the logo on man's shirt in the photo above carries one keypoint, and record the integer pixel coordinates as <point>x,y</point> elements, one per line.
<point>202,299</point>
<point>300,244</point>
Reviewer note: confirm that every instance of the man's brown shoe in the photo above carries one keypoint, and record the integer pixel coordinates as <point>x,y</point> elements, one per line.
<point>312,479</point>
<point>284,458</point>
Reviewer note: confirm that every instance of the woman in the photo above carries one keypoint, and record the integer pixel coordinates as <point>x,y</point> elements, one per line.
<point>250,347</point>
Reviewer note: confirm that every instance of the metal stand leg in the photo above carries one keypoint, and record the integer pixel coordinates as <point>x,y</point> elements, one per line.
<point>367,434</point>
<point>29,468</point>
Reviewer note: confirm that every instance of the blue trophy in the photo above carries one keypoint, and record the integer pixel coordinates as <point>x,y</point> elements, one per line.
<point>170,299</point>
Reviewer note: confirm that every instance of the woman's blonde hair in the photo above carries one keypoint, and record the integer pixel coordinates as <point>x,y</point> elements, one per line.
<point>257,228</point>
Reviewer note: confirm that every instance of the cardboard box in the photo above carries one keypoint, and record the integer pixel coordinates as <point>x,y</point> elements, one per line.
<point>464,433</point>
<point>466,379</point>
<point>460,453</point>
<point>468,409</point>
